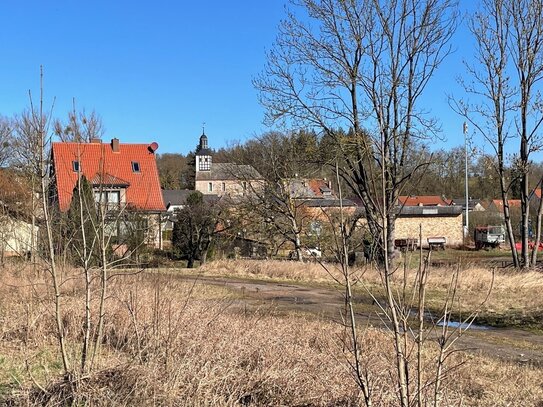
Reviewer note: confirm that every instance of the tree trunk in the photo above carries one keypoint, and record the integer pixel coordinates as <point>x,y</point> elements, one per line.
<point>507,219</point>
<point>391,231</point>
<point>537,231</point>
<point>297,240</point>
<point>525,231</point>
<point>190,262</point>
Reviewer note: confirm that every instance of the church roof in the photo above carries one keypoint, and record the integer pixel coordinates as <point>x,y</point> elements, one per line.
<point>228,172</point>
<point>204,151</point>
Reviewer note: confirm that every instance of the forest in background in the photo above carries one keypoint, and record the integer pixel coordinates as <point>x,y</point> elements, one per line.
<point>311,156</point>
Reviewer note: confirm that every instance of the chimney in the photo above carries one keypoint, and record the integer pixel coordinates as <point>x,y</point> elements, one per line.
<point>95,140</point>
<point>115,145</point>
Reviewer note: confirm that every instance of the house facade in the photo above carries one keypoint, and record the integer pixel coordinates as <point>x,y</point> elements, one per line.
<point>17,237</point>
<point>318,198</point>
<point>436,222</point>
<point>124,179</point>
<point>18,233</point>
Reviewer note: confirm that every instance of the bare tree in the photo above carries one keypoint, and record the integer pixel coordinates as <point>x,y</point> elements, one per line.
<point>509,55</point>
<point>79,126</point>
<point>491,30</point>
<point>526,45</point>
<point>277,199</point>
<point>34,132</point>
<point>363,65</point>
<point>6,140</point>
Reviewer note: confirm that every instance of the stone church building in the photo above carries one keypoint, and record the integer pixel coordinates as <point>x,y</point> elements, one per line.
<point>221,178</point>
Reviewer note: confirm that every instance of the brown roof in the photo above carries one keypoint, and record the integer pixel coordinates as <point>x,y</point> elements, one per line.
<point>228,172</point>
<point>513,203</point>
<point>99,163</point>
<point>424,200</point>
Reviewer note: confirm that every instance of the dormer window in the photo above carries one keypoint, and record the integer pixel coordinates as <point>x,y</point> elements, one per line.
<point>76,166</point>
<point>135,166</point>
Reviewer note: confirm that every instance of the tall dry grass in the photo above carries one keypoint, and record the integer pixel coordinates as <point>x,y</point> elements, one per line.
<point>172,343</point>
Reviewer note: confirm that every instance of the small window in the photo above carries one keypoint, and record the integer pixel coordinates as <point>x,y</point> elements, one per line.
<point>223,186</point>
<point>76,166</point>
<point>210,187</point>
<point>113,197</point>
<point>135,166</point>
<point>244,185</point>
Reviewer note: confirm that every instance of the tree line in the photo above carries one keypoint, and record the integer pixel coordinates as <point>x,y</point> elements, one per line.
<point>444,174</point>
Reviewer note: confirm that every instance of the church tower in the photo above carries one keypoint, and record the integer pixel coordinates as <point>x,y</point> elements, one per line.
<point>203,155</point>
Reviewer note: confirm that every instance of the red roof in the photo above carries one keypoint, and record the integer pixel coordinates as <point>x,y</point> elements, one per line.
<point>513,203</point>
<point>425,200</point>
<point>318,186</point>
<point>99,162</point>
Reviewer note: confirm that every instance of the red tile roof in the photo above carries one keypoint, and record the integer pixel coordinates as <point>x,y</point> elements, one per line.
<point>108,179</point>
<point>513,203</point>
<point>425,200</point>
<point>318,185</point>
<point>99,162</point>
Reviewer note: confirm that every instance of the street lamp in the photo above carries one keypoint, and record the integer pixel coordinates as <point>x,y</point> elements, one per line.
<point>466,227</point>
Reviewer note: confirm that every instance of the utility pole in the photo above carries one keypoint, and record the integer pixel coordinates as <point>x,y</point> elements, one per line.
<point>466,226</point>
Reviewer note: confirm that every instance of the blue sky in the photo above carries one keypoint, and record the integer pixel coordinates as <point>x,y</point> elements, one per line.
<point>156,71</point>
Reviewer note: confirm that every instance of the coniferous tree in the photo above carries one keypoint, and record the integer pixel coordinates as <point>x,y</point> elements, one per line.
<point>77,225</point>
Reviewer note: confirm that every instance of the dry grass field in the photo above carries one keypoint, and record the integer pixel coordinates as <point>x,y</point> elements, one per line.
<point>503,297</point>
<point>170,342</point>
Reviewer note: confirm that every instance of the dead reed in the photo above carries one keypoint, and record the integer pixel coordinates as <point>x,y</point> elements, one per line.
<point>174,343</point>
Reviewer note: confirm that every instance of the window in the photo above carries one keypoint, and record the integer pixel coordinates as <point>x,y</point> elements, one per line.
<point>210,187</point>
<point>223,186</point>
<point>76,166</point>
<point>108,197</point>
<point>244,184</point>
<point>204,163</point>
<point>113,197</point>
<point>135,166</point>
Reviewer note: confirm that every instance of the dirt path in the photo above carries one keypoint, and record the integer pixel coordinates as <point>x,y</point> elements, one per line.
<point>510,344</point>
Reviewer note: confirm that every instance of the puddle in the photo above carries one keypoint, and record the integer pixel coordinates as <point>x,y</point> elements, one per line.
<point>452,324</point>
<point>463,325</point>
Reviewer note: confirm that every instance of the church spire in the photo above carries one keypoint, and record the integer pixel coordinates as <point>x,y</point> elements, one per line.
<point>203,153</point>
<point>203,138</point>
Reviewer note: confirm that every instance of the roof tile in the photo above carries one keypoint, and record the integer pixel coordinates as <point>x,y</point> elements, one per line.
<point>143,191</point>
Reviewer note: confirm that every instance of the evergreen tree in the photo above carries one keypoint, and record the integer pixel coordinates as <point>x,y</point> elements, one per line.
<point>82,224</point>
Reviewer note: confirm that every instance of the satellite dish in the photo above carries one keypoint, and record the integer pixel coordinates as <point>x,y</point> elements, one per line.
<point>153,147</point>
